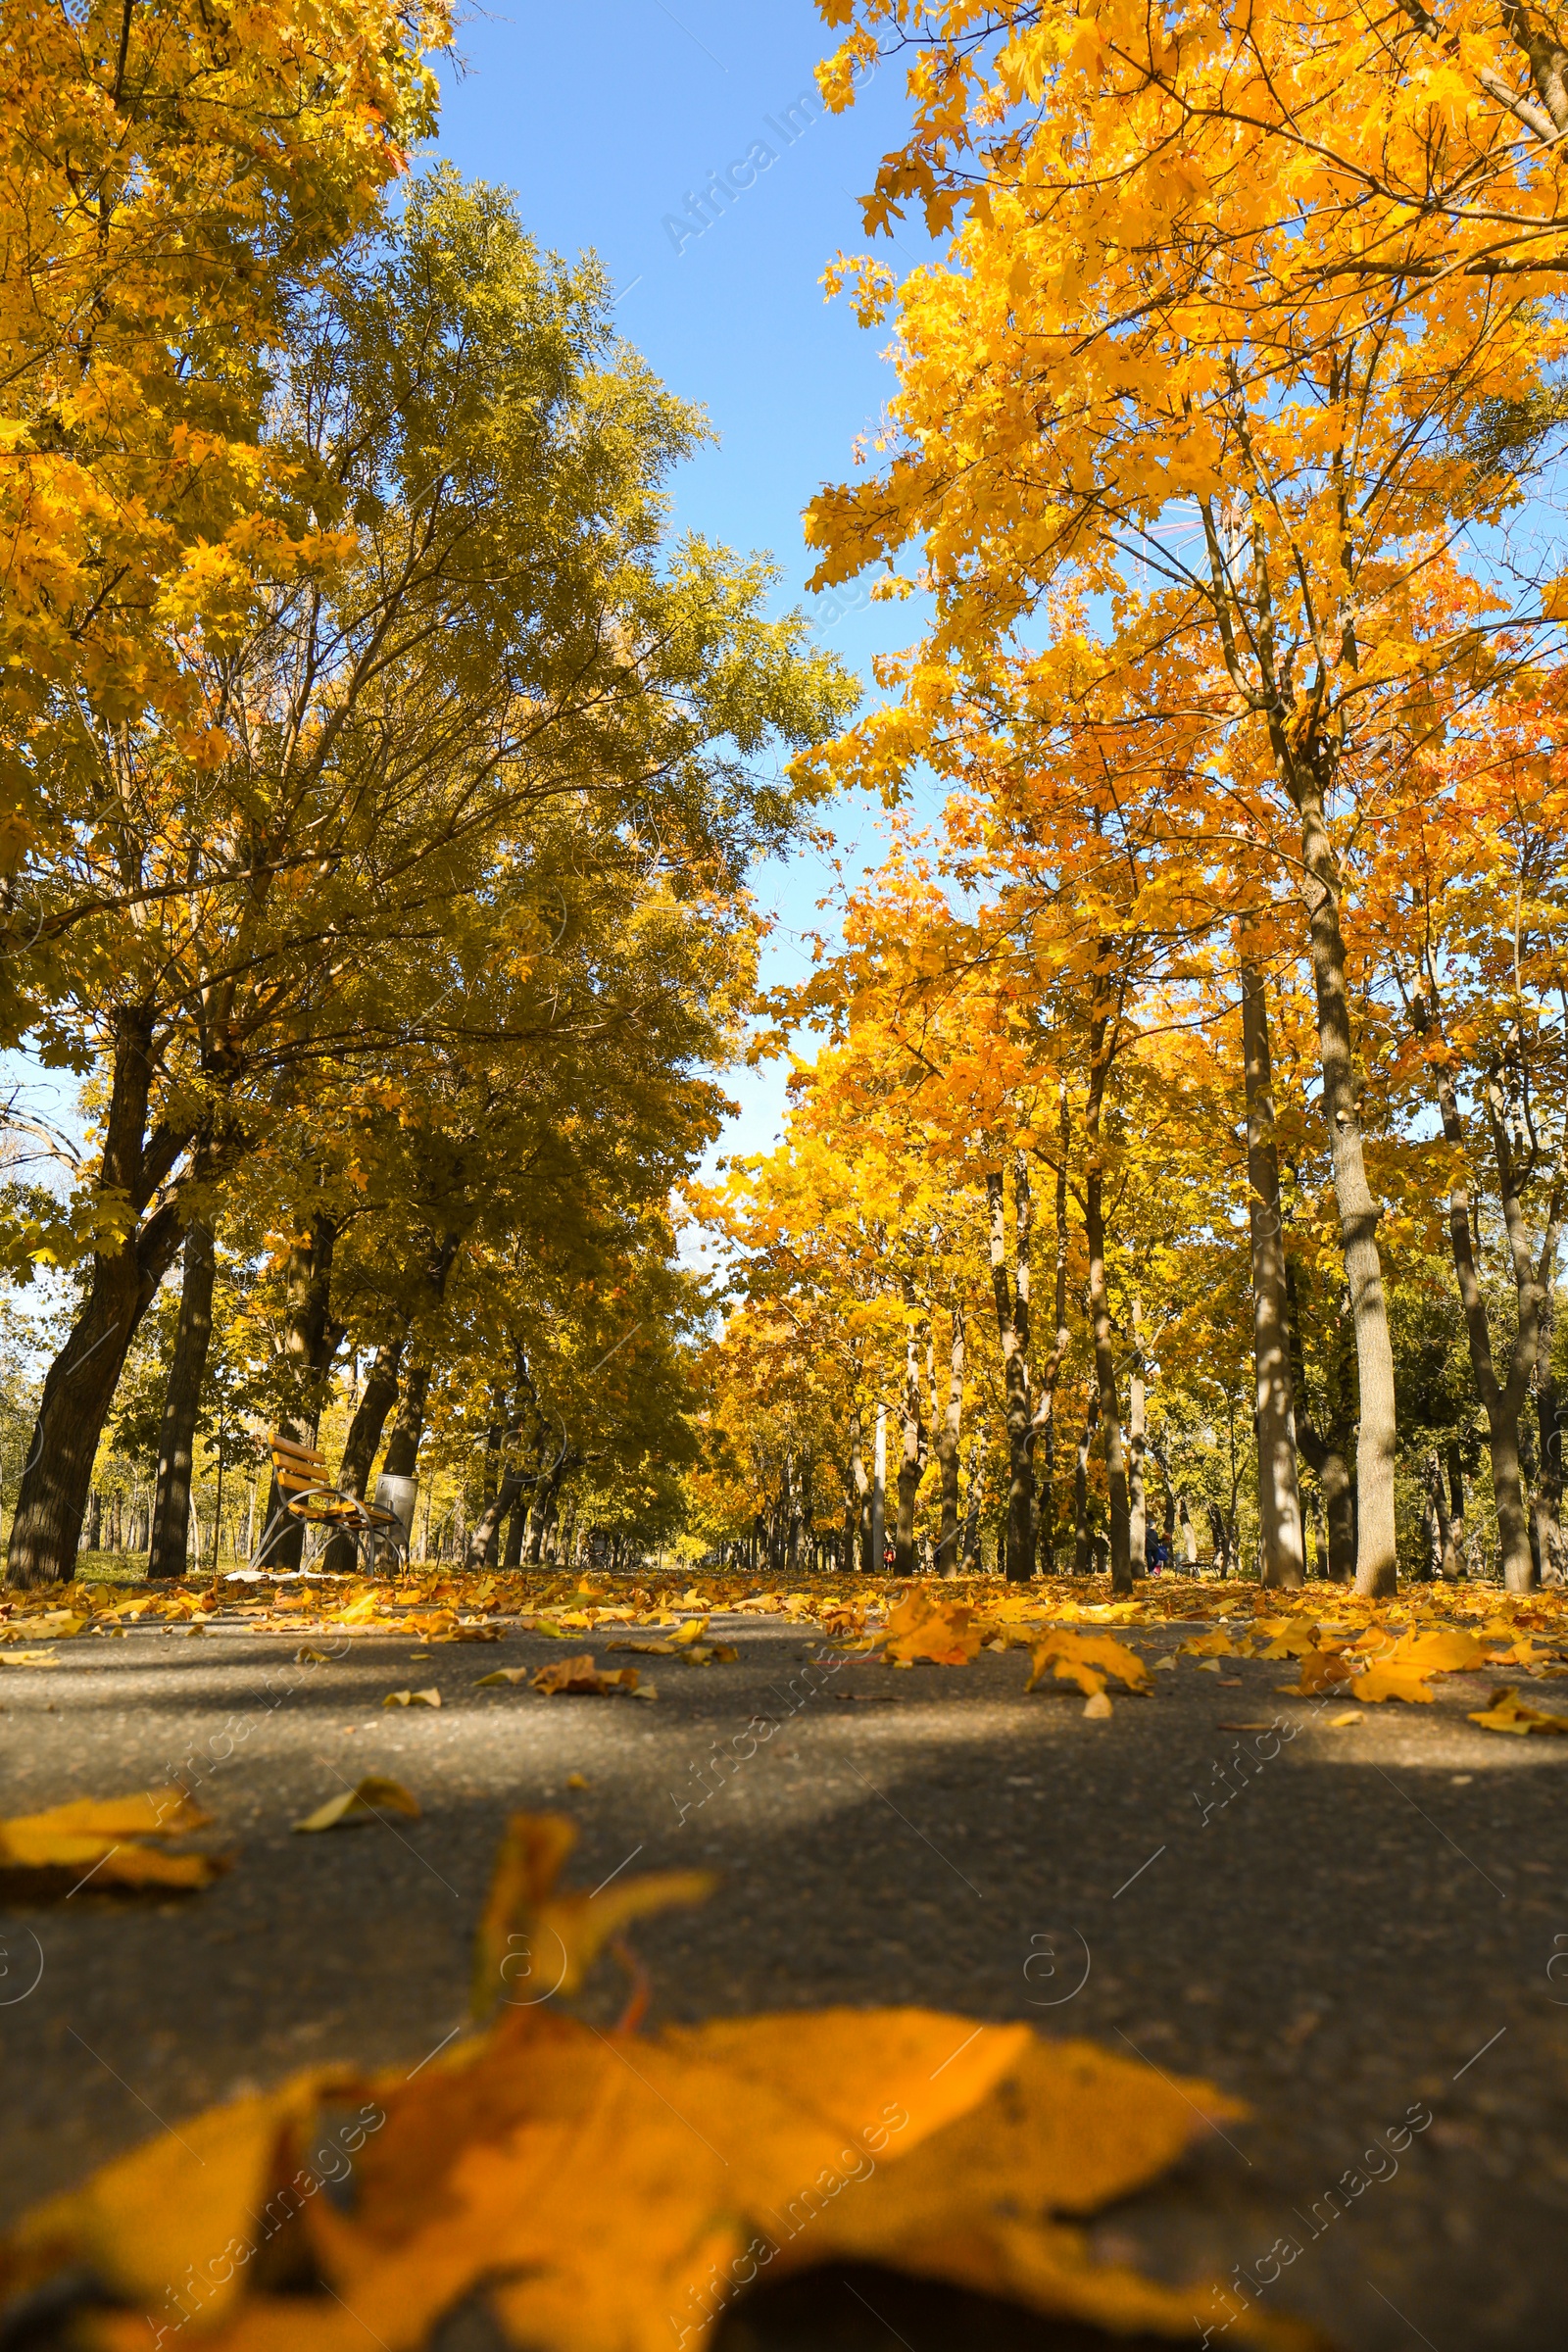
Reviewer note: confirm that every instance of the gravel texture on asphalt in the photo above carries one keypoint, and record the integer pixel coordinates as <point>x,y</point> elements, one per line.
<point>1348,1927</point>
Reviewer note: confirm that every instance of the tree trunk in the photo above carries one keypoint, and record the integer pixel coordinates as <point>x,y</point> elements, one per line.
<point>1137,1519</point>
<point>516,1532</point>
<point>176,1439</point>
<point>1324,1453</point>
<point>1339,1507</point>
<point>1045,1413</point>
<point>1436,1528</point>
<point>948,1440</point>
<point>1502,1400</point>
<point>879,1488</point>
<point>1550,1431</point>
<point>1547,1503</point>
<point>1012,1327</point>
<point>1121,1572</point>
<point>968,1549</point>
<point>80,1385</point>
<point>402,1446</point>
<point>913,1451</point>
<point>1376,1566</point>
<point>485,1540</point>
<point>1046,1499</point>
<point>546,1486</point>
<point>1103,1033</point>
<point>1082,1554</point>
<point>857,1536</point>
<point>1277,1488</point>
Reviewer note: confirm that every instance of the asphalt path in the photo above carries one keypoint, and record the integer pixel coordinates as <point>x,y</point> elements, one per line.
<point>1351,1929</point>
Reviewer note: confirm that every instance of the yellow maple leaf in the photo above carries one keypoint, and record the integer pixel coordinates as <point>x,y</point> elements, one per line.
<point>1087,1659</point>
<point>366,1802</point>
<point>535,1941</point>
<point>101,1837</point>
<point>1506,1711</point>
<point>938,1631</point>
<point>579,1677</point>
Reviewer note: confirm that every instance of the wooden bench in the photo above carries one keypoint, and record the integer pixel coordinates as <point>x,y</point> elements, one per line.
<point>307,1493</point>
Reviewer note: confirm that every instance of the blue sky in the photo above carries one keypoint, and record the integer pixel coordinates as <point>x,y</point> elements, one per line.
<point>603,119</point>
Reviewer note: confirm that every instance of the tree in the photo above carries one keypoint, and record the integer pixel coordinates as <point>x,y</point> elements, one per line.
<point>174,178</point>
<point>1183,372</point>
<point>491,670</point>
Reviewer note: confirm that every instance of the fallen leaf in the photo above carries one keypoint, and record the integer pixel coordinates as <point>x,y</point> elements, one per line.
<point>1320,1669</point>
<point>413,1699</point>
<point>1252,1727</point>
<point>312,1657</point>
<point>651,1650</point>
<point>938,1632</point>
<point>1087,1659</point>
<point>535,1937</point>
<point>1097,1707</point>
<point>366,1802</point>
<point>692,1630</point>
<point>1286,1641</point>
<point>1442,1652</point>
<point>579,1677</point>
<point>575,1780</point>
<point>1208,1645</point>
<point>579,2186</point>
<point>100,1836</point>
<point>1208,1665</point>
<point>1506,1711</point>
<point>501,1674</point>
<point>1343,1723</point>
<point>1392,1678</point>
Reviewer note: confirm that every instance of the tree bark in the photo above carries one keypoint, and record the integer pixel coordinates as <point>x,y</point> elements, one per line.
<point>1455,1561</point>
<point>1376,1564</point>
<point>1137,1434</point>
<point>1045,1414</point>
<point>547,1491</point>
<point>1437,1530</point>
<point>176,1439</point>
<point>402,1446</point>
<point>1012,1327</point>
<point>914,1451</point>
<point>857,1532</point>
<point>80,1385</point>
<point>1082,1552</point>
<point>1121,1573</point>
<point>1277,1488</point>
<point>1502,1400</point>
<point>947,1441</point>
<point>1547,1499</point>
<point>879,1488</point>
<point>1104,1025</point>
<point>1324,1456</point>
<point>969,1554</point>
